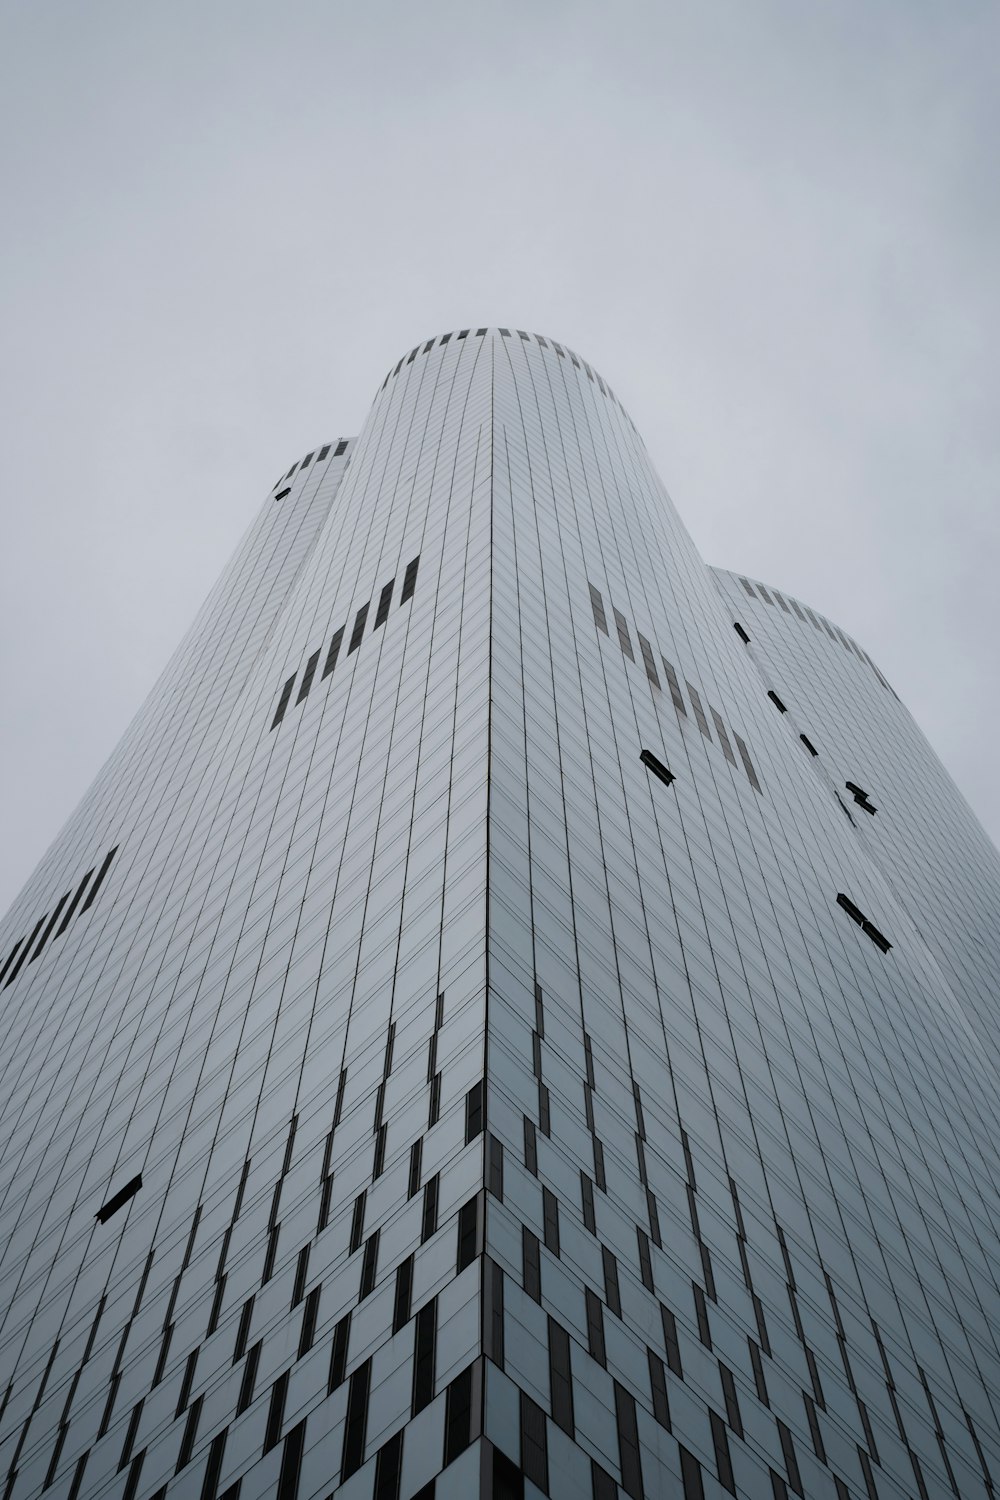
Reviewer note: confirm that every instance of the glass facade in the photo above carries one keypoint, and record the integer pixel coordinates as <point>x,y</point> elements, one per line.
<point>514,1016</point>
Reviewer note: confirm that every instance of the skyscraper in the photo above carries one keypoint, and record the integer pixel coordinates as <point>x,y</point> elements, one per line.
<point>515,1015</point>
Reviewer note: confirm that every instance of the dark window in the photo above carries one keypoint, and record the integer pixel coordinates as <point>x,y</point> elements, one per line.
<point>409,580</point>
<point>213,1317</point>
<point>757,1364</point>
<point>323,452</point>
<point>788,1452</point>
<point>781,601</point>
<point>494,1167</point>
<point>338,1353</point>
<point>748,586</point>
<point>474,1112</point>
<point>534,1444</point>
<point>729,1396</point>
<point>612,1295</point>
<point>429,1217</point>
<point>309,1315</point>
<point>656,766</point>
<point>282,493</point>
<point>468,1232</point>
<point>658,1388</point>
<point>119,1199</point>
<point>628,1443</point>
<point>13,953</point>
<point>878,938</point>
<point>544,1124</point>
<point>741,632</point>
<point>428,346</point>
<point>699,712</point>
<point>458,1416</point>
<point>434,1103</point>
<point>645,1260</point>
<point>670,1341</point>
<point>369,1266</point>
<point>814,1429</point>
<point>306,461</point>
<point>550,1216</point>
<point>358,1222</point>
<point>762,591</point>
<point>325,1199</point>
<point>493,1319</point>
<point>404,1293</point>
<point>292,470</point>
<point>425,1339</point>
<point>560,1377</point>
<point>809,745</point>
<point>623,635</point>
<point>463,333</point>
<point>675,687</point>
<point>357,1421</point>
<point>776,701</point>
<point>530,1146</point>
<point>389,1468</point>
<point>595,1326</point>
<point>379,1163</point>
<point>860,797</point>
<point>505,332</point>
<point>105,867</point>
<point>301,1273</point>
<point>190,1434</point>
<point>531,1264</point>
<point>720,730</point>
<point>384,600</point>
<point>747,763</point>
<point>286,693</point>
<point>55,917</point>
<point>648,661</point>
<point>723,1462</point>
<point>307,677</point>
<point>340,448</point>
<point>797,610</point>
<point>359,628</point>
<point>72,906</point>
<point>701,1312</point>
<point>276,1412</point>
<point>249,1378</point>
<point>597,604</point>
<point>691,1479</point>
<point>133,1428</point>
<point>587,1195</point>
<point>416,1161</point>
<point>291,1465</point>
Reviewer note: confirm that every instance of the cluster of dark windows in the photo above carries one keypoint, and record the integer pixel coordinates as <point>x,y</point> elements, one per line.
<point>337,640</point>
<point>861,797</point>
<point>791,606</point>
<point>673,684</point>
<point>324,452</point>
<point>878,938</point>
<point>26,950</point>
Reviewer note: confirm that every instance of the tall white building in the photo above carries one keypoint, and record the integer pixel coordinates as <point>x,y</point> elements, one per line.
<point>516,1015</point>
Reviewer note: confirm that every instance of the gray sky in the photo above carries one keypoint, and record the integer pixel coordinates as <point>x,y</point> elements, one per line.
<point>773,225</point>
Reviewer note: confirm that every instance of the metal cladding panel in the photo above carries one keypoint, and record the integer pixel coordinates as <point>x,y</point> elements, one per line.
<point>482,1050</point>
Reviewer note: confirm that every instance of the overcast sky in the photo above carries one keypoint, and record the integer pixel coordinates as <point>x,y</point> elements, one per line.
<point>772,224</point>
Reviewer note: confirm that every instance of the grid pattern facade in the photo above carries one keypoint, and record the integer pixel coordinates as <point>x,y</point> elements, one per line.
<point>513,1017</point>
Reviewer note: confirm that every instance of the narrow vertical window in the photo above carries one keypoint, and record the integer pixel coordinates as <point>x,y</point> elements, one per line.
<point>425,1339</point>
<point>55,917</point>
<point>550,1214</point>
<point>384,600</point>
<point>628,1443</point>
<point>307,677</point>
<point>658,1389</point>
<point>560,1377</point>
<point>99,881</point>
<point>458,1416</point>
<point>25,950</point>
<point>404,1292</point>
<point>595,1326</point>
<point>648,660</point>
<point>597,605</point>
<point>334,651</point>
<point>534,1444</point>
<point>624,639</point>
<point>429,1217</point>
<point>675,687</point>
<point>409,580</point>
<point>359,628</point>
<point>720,730</point>
<point>338,1354</point>
<point>357,1421</point>
<point>531,1264</point>
<point>474,1112</point>
<point>699,712</point>
<point>286,693</point>
<point>468,1233</point>
<point>747,763</point>
<point>612,1295</point>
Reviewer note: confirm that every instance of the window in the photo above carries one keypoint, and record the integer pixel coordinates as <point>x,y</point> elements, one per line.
<point>720,730</point>
<point>531,1264</point>
<point>741,633</point>
<point>468,1234</point>
<point>494,1180</point>
<point>748,586</point>
<point>878,938</point>
<point>369,1266</point>
<point>623,636</point>
<point>310,1312</point>
<point>425,1340</point>
<point>674,686</point>
<point>597,605</point>
<point>324,452</point>
<point>658,1389</point>
<point>534,1447</point>
<point>699,712</point>
<point>595,1327</point>
<point>776,701</point>
<point>628,1442</point>
<point>458,1416</point>
<point>359,628</point>
<point>809,745</point>
<point>656,767</point>
<point>747,763</point>
<point>119,1199</point>
<point>762,591</point>
<point>340,448</point>
<point>307,677</point>
<point>286,693</point>
<point>430,1208</point>
<point>647,657</point>
<point>276,1412</point>
<point>357,1421</point>
<point>404,1292</point>
<point>860,797</point>
<point>560,1377</point>
<point>550,1214</point>
<point>384,600</point>
<point>612,1295</point>
<point>338,1354</point>
<point>282,493</point>
<point>474,1112</point>
<point>409,580</point>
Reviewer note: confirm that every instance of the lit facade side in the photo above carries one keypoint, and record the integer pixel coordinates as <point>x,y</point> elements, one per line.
<point>514,1016</point>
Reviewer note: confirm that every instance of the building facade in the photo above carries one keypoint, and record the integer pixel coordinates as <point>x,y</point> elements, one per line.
<point>515,1015</point>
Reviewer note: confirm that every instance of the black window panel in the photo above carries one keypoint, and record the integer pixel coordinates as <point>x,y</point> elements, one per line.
<point>656,767</point>
<point>119,1199</point>
<point>599,1174</point>
<point>13,954</point>
<point>25,951</point>
<point>301,1273</point>
<point>674,686</point>
<point>747,763</point>
<point>587,1196</point>
<point>52,922</point>
<point>809,745</point>
<point>384,600</point>
<point>534,1444</point>
<point>271,1254</point>
<point>757,1365</point>
<point>723,1461</point>
<point>249,1378</point>
<point>310,1313</point>
<point>291,1464</point>
<point>699,712</point>
<point>720,730</point>
<point>612,1295</point>
<point>359,628</point>
<point>729,1396</point>
<point>560,1377</point>
<point>99,880</point>
<point>389,1468</point>
<point>597,605</point>
<point>819,1447</point>
<point>648,660</point>
<point>788,1453</point>
<point>645,1259</point>
<point>416,1163</point>
<point>741,632</point>
<point>458,1416</point>
<point>325,1199</point>
<point>306,461</point>
<point>276,1412</point>
<point>369,1266</point>
<point>378,1166</point>
<point>530,1146</point>
<point>776,701</point>
<point>531,1264</point>
<point>671,1343</point>
<point>494,1168</point>
<point>474,1112</point>
<point>550,1219</point>
<point>493,1323</point>
<point>544,1123</point>
<point>463,333</point>
<point>430,1208</point>
<point>133,1428</point>
<point>468,1230</point>
<point>358,1222</point>
<point>658,1389</point>
<point>190,1434</point>
<point>243,1331</point>
<point>307,677</point>
<point>691,1479</point>
<point>624,640</point>
<point>628,1443</point>
<point>595,1326</point>
<point>434,1103</point>
<point>213,1317</point>
<point>134,1474</point>
<point>338,1353</point>
<point>701,1313</point>
<point>357,1421</point>
<point>331,656</point>
<point>508,1479</point>
<point>286,693</point>
<point>409,579</point>
<point>404,1293</point>
<point>213,1466</point>
<point>323,453</point>
<point>424,1346</point>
